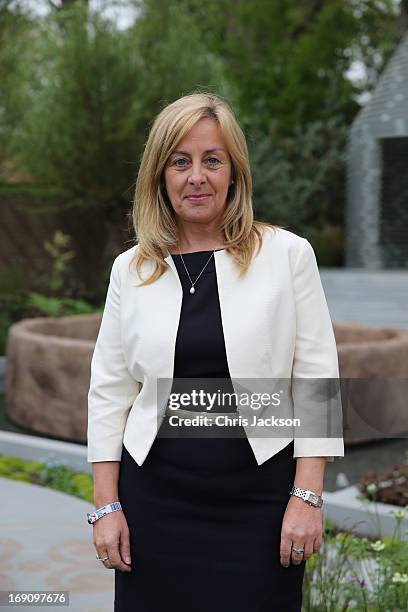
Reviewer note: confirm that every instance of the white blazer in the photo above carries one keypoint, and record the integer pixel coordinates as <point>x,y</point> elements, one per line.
<point>276,324</point>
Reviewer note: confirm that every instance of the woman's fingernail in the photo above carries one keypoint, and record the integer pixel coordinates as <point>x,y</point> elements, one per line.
<point>127,560</point>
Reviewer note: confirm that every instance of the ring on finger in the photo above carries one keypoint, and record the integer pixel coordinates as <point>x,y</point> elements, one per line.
<point>102,558</point>
<point>298,550</point>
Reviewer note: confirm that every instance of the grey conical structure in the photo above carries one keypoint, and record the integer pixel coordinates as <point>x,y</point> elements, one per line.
<point>377,173</point>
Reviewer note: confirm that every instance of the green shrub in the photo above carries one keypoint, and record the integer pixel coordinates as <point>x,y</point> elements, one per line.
<point>83,486</point>
<point>59,307</point>
<point>328,244</point>
<point>53,474</point>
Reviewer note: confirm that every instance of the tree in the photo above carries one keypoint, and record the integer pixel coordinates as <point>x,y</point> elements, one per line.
<point>289,58</point>
<point>93,93</point>
<point>65,4</point>
<point>14,36</point>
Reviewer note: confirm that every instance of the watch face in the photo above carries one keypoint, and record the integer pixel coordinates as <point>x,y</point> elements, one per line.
<point>313,499</point>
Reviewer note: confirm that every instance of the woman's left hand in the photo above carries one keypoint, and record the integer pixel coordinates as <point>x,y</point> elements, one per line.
<point>302,527</point>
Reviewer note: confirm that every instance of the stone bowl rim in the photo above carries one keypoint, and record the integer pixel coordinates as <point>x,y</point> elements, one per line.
<point>26,329</point>
<point>398,336</point>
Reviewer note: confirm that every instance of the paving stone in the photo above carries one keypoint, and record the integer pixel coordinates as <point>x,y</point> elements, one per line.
<point>46,544</point>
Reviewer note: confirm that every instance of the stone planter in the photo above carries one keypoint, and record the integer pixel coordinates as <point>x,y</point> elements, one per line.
<point>48,372</point>
<point>373,363</point>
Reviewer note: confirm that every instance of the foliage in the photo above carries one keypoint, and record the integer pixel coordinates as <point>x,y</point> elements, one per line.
<point>14,49</point>
<point>51,473</point>
<point>79,95</point>
<point>298,178</point>
<point>289,59</point>
<point>328,244</point>
<point>388,486</point>
<point>19,301</point>
<point>58,305</point>
<point>13,299</point>
<point>351,572</point>
<point>177,62</point>
<point>60,258</point>
<point>94,90</point>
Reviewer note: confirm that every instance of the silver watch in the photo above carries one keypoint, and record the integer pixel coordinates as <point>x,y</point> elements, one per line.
<point>308,496</point>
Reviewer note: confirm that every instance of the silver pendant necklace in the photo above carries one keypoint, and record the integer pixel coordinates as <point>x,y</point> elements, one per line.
<point>192,289</point>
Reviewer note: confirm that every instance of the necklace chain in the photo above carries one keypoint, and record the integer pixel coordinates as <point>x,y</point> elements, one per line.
<point>192,289</point>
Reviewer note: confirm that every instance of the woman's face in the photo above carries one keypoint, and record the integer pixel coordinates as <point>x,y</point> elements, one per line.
<point>200,165</point>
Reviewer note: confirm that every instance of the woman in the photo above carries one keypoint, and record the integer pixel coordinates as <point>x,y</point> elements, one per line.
<point>207,520</point>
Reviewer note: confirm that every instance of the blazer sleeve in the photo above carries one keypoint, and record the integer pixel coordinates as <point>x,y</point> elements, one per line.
<point>112,389</point>
<point>317,401</point>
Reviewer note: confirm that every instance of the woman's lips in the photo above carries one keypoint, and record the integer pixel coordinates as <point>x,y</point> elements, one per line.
<point>198,198</point>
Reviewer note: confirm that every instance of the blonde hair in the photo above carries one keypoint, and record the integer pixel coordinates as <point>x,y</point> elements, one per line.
<point>154,220</point>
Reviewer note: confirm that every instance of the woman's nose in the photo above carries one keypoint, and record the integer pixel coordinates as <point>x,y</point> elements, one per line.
<point>197,175</point>
<point>197,179</point>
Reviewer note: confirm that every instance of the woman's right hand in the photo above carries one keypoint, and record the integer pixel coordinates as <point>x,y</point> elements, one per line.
<point>111,539</point>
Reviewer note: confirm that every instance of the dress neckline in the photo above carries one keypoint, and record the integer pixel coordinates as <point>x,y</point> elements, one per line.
<point>195,252</point>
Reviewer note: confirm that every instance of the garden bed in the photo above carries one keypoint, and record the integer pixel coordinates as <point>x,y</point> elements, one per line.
<point>347,573</point>
<point>53,473</point>
<point>388,486</point>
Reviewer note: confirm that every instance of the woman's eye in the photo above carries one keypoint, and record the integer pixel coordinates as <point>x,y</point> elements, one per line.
<point>212,160</point>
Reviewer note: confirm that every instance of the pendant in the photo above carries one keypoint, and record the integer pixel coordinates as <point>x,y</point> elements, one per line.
<point>192,290</point>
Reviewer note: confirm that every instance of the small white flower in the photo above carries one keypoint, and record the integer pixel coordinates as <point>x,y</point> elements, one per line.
<point>378,545</point>
<point>398,577</point>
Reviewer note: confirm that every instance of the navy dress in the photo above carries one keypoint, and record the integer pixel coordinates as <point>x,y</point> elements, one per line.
<point>204,517</point>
